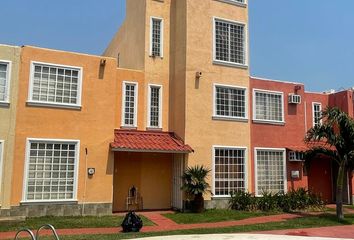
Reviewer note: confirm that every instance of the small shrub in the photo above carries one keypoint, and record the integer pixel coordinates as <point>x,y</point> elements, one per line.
<point>241,200</point>
<point>268,202</point>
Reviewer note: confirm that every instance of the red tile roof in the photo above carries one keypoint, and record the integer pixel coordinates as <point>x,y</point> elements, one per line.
<point>305,147</point>
<point>148,141</point>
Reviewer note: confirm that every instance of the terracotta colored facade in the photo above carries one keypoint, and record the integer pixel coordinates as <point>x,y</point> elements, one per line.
<point>289,135</point>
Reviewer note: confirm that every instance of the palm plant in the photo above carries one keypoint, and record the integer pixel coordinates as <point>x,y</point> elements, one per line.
<point>195,184</point>
<point>337,135</point>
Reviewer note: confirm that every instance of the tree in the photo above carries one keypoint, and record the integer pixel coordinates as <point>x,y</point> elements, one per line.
<point>194,183</point>
<point>334,138</point>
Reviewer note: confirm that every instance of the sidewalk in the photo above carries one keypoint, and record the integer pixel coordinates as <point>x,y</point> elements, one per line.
<point>165,224</point>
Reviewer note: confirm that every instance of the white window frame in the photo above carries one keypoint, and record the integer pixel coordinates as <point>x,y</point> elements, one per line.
<point>215,116</point>
<point>295,156</point>
<point>2,154</point>
<point>30,100</point>
<point>233,2</point>
<point>213,167</point>
<point>160,105</point>
<point>254,107</point>
<point>135,104</point>
<point>152,18</point>
<point>8,81</point>
<point>256,167</point>
<point>76,172</point>
<point>226,63</point>
<point>313,112</point>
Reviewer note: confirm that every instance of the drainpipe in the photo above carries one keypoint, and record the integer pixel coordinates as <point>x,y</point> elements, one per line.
<point>85,184</point>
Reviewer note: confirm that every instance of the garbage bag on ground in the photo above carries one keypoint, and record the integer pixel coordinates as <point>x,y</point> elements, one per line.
<point>132,222</point>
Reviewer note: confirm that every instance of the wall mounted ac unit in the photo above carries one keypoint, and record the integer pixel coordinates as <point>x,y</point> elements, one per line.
<point>294,99</point>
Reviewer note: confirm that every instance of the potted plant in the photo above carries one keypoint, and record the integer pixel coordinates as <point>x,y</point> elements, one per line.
<point>194,184</point>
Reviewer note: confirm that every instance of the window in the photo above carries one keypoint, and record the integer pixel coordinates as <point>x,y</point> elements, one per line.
<point>1,160</point>
<point>317,113</point>
<point>235,2</point>
<point>154,111</point>
<point>229,42</point>
<point>55,85</point>
<point>129,108</point>
<point>5,81</point>
<point>268,106</point>
<point>229,170</point>
<point>156,37</point>
<point>296,156</point>
<point>270,171</point>
<point>229,102</point>
<point>51,170</point>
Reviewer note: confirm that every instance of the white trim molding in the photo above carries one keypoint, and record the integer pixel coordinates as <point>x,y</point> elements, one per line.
<point>7,82</point>
<point>267,121</point>
<point>161,35</point>
<point>242,148</point>
<point>235,2</point>
<point>313,112</point>
<point>245,42</point>
<point>221,117</point>
<point>149,106</point>
<point>26,169</point>
<point>55,104</point>
<point>136,92</point>
<point>283,150</point>
<point>2,149</point>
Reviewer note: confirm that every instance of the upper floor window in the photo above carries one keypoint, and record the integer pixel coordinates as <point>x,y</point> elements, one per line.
<point>129,104</point>
<point>229,101</point>
<point>229,170</point>
<point>317,113</point>
<point>55,85</point>
<point>268,106</point>
<point>51,170</point>
<point>154,111</point>
<point>235,2</point>
<point>229,42</point>
<point>156,37</point>
<point>4,81</point>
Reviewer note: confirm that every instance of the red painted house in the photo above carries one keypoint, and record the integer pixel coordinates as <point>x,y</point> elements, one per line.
<point>281,114</point>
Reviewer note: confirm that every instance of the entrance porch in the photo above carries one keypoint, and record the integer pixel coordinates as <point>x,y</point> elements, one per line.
<point>147,170</point>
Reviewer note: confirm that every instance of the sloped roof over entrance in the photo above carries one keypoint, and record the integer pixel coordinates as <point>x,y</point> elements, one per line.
<point>148,141</point>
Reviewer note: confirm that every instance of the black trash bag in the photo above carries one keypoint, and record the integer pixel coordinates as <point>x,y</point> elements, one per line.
<point>132,222</point>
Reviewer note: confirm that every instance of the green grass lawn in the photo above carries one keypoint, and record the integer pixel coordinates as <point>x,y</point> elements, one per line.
<point>304,222</point>
<point>216,215</point>
<point>69,222</point>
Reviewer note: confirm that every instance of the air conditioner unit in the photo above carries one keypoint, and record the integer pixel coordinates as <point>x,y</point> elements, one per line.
<point>294,99</point>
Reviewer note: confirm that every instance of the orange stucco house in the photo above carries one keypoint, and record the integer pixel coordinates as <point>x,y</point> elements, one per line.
<point>91,135</point>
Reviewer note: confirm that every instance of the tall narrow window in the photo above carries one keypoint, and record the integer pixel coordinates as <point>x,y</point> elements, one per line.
<point>230,43</point>
<point>55,85</point>
<point>4,81</point>
<point>130,92</point>
<point>156,37</point>
<point>317,113</point>
<point>51,170</point>
<point>229,170</point>
<point>154,113</point>
<point>270,170</point>
<point>268,106</point>
<point>230,102</point>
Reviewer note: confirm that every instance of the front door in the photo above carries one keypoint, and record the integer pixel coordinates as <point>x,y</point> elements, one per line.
<point>177,193</point>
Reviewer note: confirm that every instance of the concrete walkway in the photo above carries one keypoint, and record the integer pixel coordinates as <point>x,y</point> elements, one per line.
<point>165,224</point>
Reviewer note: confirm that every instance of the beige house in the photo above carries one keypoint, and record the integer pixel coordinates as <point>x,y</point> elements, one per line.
<point>9,69</point>
<point>197,51</point>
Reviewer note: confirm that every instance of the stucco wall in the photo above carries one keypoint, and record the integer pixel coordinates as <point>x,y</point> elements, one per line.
<point>129,42</point>
<point>201,131</point>
<point>93,124</point>
<point>140,170</point>
<point>7,123</point>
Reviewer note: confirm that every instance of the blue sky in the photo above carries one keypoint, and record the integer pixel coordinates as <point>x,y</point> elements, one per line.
<point>309,41</point>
